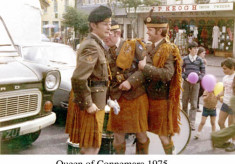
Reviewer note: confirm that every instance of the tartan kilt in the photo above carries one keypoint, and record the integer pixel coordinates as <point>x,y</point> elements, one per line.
<point>158,117</point>
<point>132,117</point>
<point>82,127</point>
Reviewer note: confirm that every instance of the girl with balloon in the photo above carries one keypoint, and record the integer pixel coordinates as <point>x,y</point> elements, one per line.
<point>201,52</point>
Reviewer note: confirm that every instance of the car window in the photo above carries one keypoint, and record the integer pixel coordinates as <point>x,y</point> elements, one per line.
<point>50,55</point>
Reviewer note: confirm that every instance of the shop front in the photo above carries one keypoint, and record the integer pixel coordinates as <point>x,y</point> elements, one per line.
<point>211,25</point>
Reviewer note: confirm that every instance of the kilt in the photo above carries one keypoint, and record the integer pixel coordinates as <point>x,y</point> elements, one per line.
<point>82,127</point>
<point>158,117</point>
<point>132,117</point>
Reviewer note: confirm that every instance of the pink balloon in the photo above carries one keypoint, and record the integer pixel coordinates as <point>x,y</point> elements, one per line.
<point>209,82</point>
<point>193,77</point>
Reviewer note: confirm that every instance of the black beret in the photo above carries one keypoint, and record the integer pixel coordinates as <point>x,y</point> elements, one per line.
<point>156,21</point>
<point>114,25</point>
<point>99,14</point>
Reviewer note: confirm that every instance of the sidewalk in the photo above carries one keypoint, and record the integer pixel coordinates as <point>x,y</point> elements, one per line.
<point>213,60</point>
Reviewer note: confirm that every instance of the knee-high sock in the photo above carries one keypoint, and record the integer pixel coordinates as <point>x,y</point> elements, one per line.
<point>169,148</point>
<point>120,148</point>
<point>142,148</point>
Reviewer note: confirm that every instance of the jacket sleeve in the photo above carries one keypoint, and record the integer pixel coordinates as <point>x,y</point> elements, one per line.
<point>137,78</point>
<point>165,74</point>
<point>86,61</point>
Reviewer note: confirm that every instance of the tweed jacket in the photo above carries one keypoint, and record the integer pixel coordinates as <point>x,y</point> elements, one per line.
<point>91,67</point>
<point>158,79</point>
<point>135,77</point>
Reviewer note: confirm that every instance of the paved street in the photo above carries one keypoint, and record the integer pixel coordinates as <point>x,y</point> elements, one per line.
<point>53,139</point>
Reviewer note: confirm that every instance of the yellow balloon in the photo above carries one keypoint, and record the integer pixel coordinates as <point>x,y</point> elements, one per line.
<point>218,88</point>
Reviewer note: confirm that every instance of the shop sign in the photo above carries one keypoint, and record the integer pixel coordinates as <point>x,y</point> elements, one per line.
<point>186,8</point>
<point>198,14</point>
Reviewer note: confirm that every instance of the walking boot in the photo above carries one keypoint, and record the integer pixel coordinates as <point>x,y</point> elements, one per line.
<point>142,148</point>
<point>120,148</point>
<point>169,148</point>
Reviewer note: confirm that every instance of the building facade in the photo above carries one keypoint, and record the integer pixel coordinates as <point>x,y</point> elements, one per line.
<point>53,14</point>
<point>189,19</point>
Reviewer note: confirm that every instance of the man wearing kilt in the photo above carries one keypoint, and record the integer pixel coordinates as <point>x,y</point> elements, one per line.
<point>127,88</point>
<point>162,71</point>
<point>89,84</point>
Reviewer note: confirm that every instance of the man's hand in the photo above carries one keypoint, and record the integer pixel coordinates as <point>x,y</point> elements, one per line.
<point>125,86</point>
<point>92,109</point>
<point>142,63</point>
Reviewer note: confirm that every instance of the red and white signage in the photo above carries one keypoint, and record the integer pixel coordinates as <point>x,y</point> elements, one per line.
<point>186,8</point>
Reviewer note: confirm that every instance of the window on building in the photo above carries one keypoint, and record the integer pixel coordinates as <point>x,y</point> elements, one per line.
<point>86,2</point>
<point>56,24</point>
<point>45,30</point>
<point>55,29</point>
<point>203,1</point>
<point>45,10</point>
<point>163,2</point>
<point>55,6</point>
<point>66,4</point>
<point>79,2</point>
<point>178,1</point>
<point>223,0</point>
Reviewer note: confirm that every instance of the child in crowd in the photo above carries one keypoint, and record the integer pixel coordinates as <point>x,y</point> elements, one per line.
<point>209,109</point>
<point>219,138</point>
<point>228,66</point>
<point>226,111</point>
<point>201,53</point>
<point>191,63</point>
<point>190,37</point>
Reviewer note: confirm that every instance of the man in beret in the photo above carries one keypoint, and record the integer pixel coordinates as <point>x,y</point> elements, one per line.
<point>89,85</point>
<point>162,71</point>
<point>127,88</point>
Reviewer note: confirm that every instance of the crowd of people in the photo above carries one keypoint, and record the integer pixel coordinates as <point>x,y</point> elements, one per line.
<point>146,80</point>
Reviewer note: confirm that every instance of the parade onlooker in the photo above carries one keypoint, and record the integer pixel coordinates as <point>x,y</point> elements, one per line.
<point>228,66</point>
<point>162,71</point>
<point>209,109</point>
<point>190,37</point>
<point>85,118</point>
<point>127,87</point>
<point>201,53</point>
<point>191,63</point>
<point>220,138</point>
<point>226,112</point>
